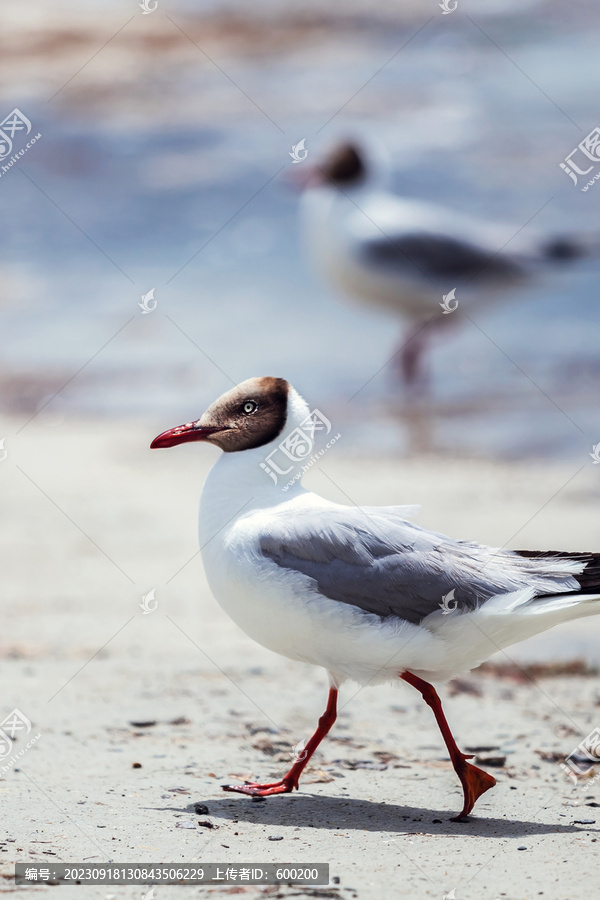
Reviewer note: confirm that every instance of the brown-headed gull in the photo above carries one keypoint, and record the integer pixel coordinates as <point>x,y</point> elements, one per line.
<point>362,592</point>
<point>414,258</point>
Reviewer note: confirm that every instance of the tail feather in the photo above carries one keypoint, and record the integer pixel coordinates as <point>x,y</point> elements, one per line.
<point>565,248</point>
<point>588,579</point>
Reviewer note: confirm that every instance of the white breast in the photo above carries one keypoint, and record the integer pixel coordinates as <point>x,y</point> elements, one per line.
<point>281,609</point>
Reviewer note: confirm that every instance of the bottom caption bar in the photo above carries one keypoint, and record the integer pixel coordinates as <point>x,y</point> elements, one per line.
<point>173,873</point>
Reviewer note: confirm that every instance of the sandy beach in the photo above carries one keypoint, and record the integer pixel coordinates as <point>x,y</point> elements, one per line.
<point>141,717</point>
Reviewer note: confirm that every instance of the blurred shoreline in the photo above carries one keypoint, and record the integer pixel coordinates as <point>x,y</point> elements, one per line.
<point>172,177</point>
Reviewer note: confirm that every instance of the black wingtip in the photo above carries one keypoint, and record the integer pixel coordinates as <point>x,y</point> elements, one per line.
<point>564,249</point>
<point>589,579</point>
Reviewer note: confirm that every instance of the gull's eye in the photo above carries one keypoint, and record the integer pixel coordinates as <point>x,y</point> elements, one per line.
<point>249,407</point>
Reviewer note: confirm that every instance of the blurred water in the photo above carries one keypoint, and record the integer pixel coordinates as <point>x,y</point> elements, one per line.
<point>160,173</point>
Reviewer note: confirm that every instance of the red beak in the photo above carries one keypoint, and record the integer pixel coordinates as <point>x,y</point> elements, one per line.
<point>191,431</point>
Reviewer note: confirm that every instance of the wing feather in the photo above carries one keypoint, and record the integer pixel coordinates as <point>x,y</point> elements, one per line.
<point>377,560</point>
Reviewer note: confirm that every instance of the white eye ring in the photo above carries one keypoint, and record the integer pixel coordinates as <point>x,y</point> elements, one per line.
<point>249,407</point>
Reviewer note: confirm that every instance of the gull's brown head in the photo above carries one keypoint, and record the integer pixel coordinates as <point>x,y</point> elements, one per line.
<point>250,415</point>
<point>343,167</point>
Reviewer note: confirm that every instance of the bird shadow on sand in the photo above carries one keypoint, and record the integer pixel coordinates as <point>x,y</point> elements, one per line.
<point>339,813</point>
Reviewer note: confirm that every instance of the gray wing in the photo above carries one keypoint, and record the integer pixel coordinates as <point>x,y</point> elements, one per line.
<point>374,559</point>
<point>439,256</point>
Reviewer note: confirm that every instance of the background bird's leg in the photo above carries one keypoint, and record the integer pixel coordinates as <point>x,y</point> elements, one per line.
<point>474,780</point>
<point>290,781</point>
<point>412,369</point>
<point>412,365</point>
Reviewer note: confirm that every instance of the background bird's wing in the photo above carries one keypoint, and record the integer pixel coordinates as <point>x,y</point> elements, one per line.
<point>439,257</point>
<point>374,559</point>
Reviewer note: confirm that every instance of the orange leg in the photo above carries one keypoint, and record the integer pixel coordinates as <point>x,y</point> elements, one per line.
<point>474,780</point>
<point>290,781</point>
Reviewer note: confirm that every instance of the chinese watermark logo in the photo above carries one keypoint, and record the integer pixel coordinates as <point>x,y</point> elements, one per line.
<point>146,603</point>
<point>14,126</point>
<point>595,454</point>
<point>589,150</point>
<point>446,7</point>
<point>447,304</point>
<point>298,153</point>
<point>448,604</point>
<point>584,757</point>
<point>148,304</point>
<point>146,7</point>
<point>13,123</point>
<point>15,724</point>
<point>298,445</point>
<point>299,752</point>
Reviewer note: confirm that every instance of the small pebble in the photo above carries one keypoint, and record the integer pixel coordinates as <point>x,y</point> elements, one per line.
<point>437,822</point>
<point>147,724</point>
<point>205,823</point>
<point>336,879</point>
<point>584,821</point>
<point>275,837</point>
<point>201,809</point>
<point>136,765</point>
<point>497,761</point>
<point>521,848</point>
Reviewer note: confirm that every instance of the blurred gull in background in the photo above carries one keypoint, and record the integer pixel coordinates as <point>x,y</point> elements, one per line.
<point>413,257</point>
